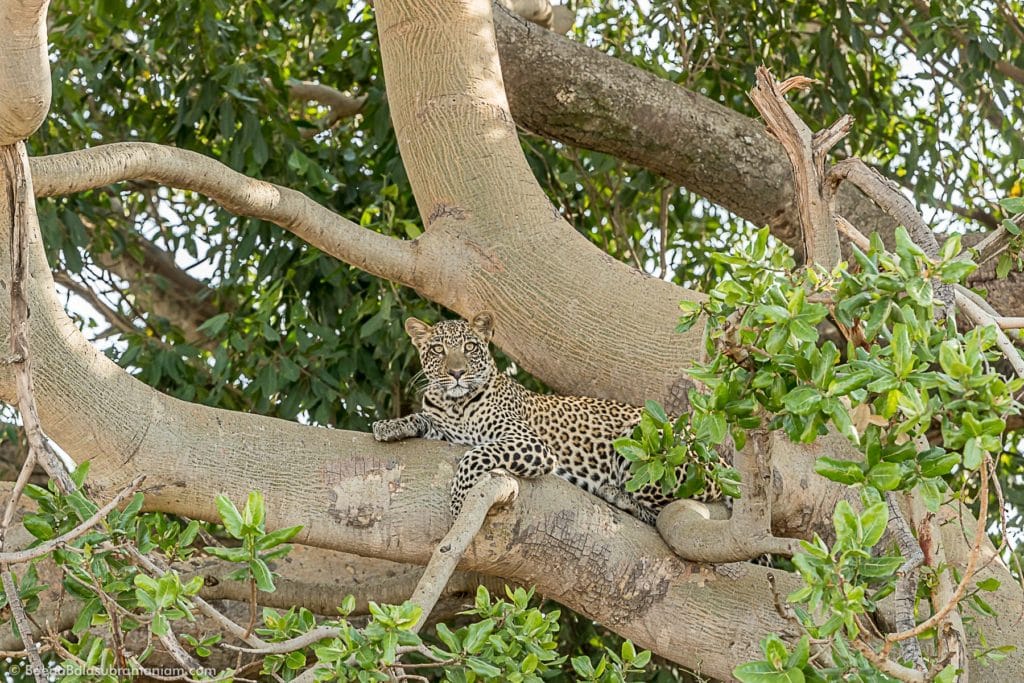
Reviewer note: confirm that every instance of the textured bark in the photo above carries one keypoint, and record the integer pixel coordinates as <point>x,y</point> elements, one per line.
<point>572,93</point>
<point>24,70</point>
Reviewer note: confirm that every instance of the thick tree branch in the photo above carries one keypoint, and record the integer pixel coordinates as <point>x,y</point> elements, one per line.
<point>24,69</point>
<point>570,92</point>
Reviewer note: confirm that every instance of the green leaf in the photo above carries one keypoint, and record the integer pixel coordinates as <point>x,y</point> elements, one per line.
<point>840,471</point>
<point>951,247</point>
<point>873,521</point>
<point>802,400</point>
<point>885,476</point>
<point>990,584</point>
<point>656,411</point>
<point>1004,265</point>
<point>448,638</point>
<point>630,449</point>
<point>763,672</point>
<point>38,526</point>
<point>973,453</point>
<point>482,668</point>
<point>878,567</point>
<point>255,511</point>
<point>846,522</point>
<point>229,554</point>
<point>938,463</point>
<point>262,575</point>
<point>728,480</point>
<point>214,325</point>
<point>582,666</point>
<point>1013,204</point>
<point>276,538</point>
<point>229,516</point>
<point>476,635</point>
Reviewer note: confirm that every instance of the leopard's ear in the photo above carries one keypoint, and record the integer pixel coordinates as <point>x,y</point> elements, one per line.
<point>483,325</point>
<point>418,330</point>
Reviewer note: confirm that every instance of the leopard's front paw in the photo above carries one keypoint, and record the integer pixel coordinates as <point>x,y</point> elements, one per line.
<point>387,430</point>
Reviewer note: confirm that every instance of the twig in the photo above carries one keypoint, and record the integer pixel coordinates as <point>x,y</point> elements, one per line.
<point>980,317</point>
<point>24,628</point>
<point>16,161</point>
<point>19,556</point>
<point>851,233</point>
<point>496,488</point>
<point>285,646</point>
<point>972,561</point>
<point>1010,323</point>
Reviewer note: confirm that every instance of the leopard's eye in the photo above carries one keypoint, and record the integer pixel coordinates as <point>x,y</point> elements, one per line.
<point>471,346</point>
<point>437,348</point>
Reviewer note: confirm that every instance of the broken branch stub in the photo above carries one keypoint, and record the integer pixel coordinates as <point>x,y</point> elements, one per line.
<point>806,153</point>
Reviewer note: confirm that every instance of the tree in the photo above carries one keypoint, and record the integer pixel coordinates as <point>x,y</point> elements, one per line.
<point>568,313</point>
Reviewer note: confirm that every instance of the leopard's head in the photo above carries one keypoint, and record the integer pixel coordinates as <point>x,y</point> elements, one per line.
<point>454,353</point>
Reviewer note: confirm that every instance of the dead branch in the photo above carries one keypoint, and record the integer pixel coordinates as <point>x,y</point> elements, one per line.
<point>807,154</point>
<point>496,489</point>
<point>24,627</point>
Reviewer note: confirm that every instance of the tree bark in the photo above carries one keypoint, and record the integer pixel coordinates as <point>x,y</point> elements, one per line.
<point>572,93</point>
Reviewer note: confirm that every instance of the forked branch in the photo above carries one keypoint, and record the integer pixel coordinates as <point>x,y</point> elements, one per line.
<point>807,153</point>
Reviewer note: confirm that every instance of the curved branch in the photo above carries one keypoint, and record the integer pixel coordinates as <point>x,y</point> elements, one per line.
<point>24,69</point>
<point>87,169</point>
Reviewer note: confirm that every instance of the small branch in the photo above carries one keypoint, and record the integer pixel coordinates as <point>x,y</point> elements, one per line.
<point>1009,323</point>
<point>906,583</point>
<point>981,317</point>
<point>24,627</point>
<point>807,157</point>
<point>851,233</point>
<point>285,646</point>
<point>972,561</point>
<point>887,666</point>
<point>497,488</point>
<point>19,556</point>
<point>995,242</point>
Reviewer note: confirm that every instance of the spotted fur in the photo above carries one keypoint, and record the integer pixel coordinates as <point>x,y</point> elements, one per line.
<point>467,401</point>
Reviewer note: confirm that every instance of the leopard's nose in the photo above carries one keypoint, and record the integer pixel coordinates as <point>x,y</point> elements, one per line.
<point>456,373</point>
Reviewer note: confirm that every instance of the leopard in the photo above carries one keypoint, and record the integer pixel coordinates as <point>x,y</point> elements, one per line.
<point>468,401</point>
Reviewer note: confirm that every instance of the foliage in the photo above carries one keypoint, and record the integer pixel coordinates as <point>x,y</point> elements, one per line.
<point>903,369</point>
<point>499,640</point>
<point>258,547</point>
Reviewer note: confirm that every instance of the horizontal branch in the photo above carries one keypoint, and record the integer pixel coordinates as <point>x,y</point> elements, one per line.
<point>87,169</point>
<point>18,556</point>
